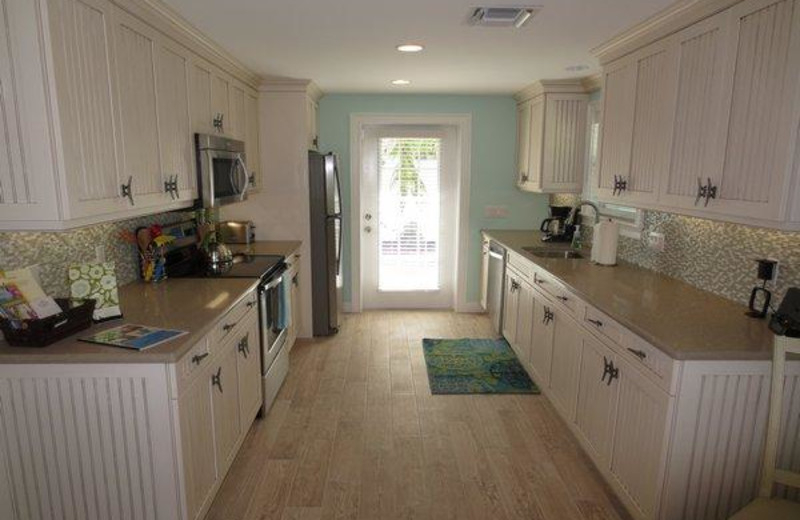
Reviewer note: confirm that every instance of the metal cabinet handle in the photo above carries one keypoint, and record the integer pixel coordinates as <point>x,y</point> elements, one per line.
<point>175,187</point>
<point>711,191</point>
<point>244,346</point>
<point>605,369</point>
<point>171,187</point>
<point>548,315</point>
<point>252,179</point>
<point>216,379</point>
<point>638,353</point>
<point>539,281</point>
<point>562,298</point>
<point>228,326</point>
<point>294,281</point>
<point>620,185</point>
<point>251,304</point>
<point>595,322</point>
<point>523,176</point>
<point>218,122</point>
<point>127,191</point>
<point>609,370</point>
<point>197,358</point>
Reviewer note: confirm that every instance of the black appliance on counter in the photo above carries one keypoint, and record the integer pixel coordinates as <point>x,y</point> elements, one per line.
<point>326,242</point>
<point>557,227</point>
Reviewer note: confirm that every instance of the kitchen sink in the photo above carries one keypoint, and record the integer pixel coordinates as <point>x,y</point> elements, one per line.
<point>544,252</point>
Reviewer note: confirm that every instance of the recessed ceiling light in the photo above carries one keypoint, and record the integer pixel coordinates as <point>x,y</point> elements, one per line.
<point>401,82</point>
<point>576,68</point>
<point>410,47</point>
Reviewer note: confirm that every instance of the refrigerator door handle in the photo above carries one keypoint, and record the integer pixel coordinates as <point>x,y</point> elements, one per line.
<point>338,185</point>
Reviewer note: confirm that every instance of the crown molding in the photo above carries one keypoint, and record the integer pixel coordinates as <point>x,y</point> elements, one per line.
<point>283,84</point>
<point>173,25</point>
<point>677,16</point>
<point>592,83</point>
<point>551,86</point>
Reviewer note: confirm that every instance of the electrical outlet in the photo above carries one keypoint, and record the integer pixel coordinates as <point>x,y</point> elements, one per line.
<point>775,270</point>
<point>99,254</point>
<point>495,212</point>
<point>656,242</point>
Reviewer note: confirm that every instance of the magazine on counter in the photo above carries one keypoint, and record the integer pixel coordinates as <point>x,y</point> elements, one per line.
<point>137,337</point>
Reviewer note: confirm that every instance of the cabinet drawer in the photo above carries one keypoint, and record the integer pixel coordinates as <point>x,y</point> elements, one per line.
<point>603,325</point>
<point>191,364</point>
<point>223,329</point>
<point>520,264</point>
<point>641,353</point>
<point>557,292</point>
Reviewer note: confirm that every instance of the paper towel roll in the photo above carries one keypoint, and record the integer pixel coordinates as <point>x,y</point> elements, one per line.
<point>604,242</point>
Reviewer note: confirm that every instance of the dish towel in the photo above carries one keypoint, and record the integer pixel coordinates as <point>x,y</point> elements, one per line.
<point>285,308</point>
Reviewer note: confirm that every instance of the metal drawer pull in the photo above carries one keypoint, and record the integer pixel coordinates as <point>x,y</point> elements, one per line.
<point>251,304</point>
<point>244,347</point>
<point>216,379</point>
<point>539,281</point>
<point>595,322</point>
<point>638,353</point>
<point>127,191</point>
<point>562,298</point>
<point>197,358</point>
<point>228,326</point>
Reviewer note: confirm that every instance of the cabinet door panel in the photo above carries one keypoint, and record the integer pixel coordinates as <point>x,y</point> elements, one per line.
<point>597,399</point>
<point>619,91</point>
<point>510,308</point>
<point>172,68</point>
<point>541,342</point>
<point>565,363</point>
<point>765,71</point>
<point>200,98</point>
<point>639,447</point>
<point>225,402</point>
<point>251,139</point>
<point>699,110</point>
<point>524,323</point>
<point>248,360</point>
<point>236,118</point>
<point>138,109</point>
<point>565,142</point>
<point>197,444</point>
<point>523,141</point>
<point>83,61</point>
<point>220,100</point>
<point>13,185</point>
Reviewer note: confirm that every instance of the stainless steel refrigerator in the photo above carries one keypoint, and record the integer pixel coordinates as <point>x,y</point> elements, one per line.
<point>326,242</point>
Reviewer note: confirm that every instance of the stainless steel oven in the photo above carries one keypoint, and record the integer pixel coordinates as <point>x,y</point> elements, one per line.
<point>272,317</point>
<point>223,176</point>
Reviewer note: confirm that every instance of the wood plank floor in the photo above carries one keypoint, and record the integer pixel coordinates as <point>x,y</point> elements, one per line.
<point>356,434</point>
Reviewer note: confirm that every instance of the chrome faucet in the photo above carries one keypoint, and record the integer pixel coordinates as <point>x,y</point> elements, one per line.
<point>574,211</point>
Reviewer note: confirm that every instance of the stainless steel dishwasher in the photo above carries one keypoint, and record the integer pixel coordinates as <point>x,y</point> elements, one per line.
<point>494,290</point>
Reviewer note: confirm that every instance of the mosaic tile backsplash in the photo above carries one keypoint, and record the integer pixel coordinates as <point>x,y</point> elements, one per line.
<point>718,257</point>
<point>54,252</point>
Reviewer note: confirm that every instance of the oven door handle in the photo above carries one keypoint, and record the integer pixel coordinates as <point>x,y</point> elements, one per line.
<point>272,283</point>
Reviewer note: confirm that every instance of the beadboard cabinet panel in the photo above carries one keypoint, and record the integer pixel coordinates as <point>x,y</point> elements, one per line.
<point>13,186</point>
<point>565,365</point>
<point>82,32</point>
<point>565,140</point>
<point>619,89</point>
<point>758,158</point>
<point>236,120</point>
<point>541,350</point>
<point>523,141</point>
<point>248,369</point>
<point>225,406</point>
<point>252,145</point>
<point>200,97</point>
<point>597,398</point>
<point>138,110</point>
<point>174,124</point>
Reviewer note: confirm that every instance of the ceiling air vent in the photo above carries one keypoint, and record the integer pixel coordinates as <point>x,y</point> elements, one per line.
<point>502,16</point>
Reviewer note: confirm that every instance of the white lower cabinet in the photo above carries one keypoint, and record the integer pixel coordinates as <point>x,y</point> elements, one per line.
<point>598,390</point>
<point>541,347</point>
<point>248,370</point>
<point>225,404</point>
<point>565,363</point>
<point>511,289</point>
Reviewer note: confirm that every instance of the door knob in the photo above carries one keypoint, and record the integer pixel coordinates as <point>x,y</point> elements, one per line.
<point>367,229</point>
<point>368,217</point>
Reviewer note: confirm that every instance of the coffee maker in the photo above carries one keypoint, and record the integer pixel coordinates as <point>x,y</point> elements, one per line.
<point>557,227</point>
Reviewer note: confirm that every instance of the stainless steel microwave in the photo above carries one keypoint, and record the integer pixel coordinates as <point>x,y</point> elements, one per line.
<point>223,176</point>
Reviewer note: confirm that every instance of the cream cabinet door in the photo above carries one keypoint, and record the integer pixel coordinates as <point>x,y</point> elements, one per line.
<point>640,443</point>
<point>236,120</point>
<point>312,124</point>
<point>248,360</point>
<point>597,398</point>
<point>484,272</point>
<point>564,143</point>
<point>616,136</point>
<point>758,157</point>
<point>174,124</point>
<point>225,405</point>
<point>81,36</point>
<point>510,307</point>
<point>138,136</point>
<point>202,115</point>
<point>197,444</point>
<point>251,139</point>
<point>565,363</point>
<point>220,101</point>
<point>700,116</point>
<point>523,141</point>
<point>541,350</point>
<point>522,345</point>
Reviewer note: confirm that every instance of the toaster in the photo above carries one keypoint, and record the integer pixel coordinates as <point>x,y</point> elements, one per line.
<point>237,232</point>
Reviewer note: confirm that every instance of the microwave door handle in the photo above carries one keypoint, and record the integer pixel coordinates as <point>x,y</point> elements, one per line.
<point>245,177</point>
<point>232,180</point>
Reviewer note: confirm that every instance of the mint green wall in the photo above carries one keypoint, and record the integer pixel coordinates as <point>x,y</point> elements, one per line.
<point>493,161</point>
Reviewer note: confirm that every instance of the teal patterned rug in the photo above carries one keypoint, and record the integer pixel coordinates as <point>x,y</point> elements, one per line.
<point>475,366</point>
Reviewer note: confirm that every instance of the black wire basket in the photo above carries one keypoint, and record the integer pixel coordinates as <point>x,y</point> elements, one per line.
<point>75,316</point>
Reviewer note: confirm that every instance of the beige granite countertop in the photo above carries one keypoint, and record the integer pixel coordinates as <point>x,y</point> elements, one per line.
<point>681,320</point>
<point>187,304</point>
<point>268,247</point>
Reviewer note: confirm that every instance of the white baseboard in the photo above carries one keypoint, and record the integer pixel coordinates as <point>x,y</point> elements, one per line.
<point>470,308</point>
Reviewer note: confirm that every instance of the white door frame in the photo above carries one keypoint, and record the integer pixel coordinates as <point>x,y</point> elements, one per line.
<point>463,126</point>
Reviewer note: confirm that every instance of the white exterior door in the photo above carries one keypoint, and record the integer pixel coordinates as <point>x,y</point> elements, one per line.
<point>408,225</point>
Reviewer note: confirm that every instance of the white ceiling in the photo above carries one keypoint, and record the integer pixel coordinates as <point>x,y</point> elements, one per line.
<point>349,45</point>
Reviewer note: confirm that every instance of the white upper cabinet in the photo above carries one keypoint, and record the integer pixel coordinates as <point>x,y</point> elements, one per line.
<point>704,121</point>
<point>252,139</point>
<point>98,109</point>
<point>551,137</point>
<point>311,123</point>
